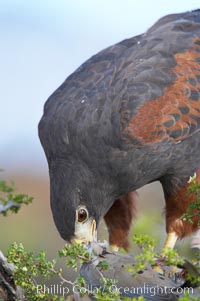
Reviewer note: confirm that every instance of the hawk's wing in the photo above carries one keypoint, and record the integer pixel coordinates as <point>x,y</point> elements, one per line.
<point>163,88</point>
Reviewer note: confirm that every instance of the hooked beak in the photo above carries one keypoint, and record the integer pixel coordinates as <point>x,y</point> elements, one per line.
<point>85,233</point>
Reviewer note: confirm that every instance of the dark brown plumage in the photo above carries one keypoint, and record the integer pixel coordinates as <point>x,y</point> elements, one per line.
<point>128,116</point>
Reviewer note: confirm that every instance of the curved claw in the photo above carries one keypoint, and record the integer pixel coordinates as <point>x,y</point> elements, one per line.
<point>170,242</point>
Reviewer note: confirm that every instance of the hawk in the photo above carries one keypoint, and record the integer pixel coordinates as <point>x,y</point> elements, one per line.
<point>128,116</point>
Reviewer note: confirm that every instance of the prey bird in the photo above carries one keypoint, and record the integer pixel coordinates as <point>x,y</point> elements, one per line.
<point>128,116</point>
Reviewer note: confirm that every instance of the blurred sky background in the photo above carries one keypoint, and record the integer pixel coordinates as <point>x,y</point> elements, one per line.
<point>42,42</point>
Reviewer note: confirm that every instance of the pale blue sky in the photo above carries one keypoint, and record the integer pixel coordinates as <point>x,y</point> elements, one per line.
<point>42,42</point>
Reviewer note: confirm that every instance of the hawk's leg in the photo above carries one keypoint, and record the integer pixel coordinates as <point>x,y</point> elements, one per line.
<point>118,220</point>
<point>177,204</point>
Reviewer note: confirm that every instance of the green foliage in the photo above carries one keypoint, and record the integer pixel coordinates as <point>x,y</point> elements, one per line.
<point>103,265</point>
<point>194,279</point>
<point>147,252</point>
<point>28,268</point>
<point>10,200</point>
<point>144,241</point>
<point>188,297</point>
<point>172,258</point>
<point>76,255</point>
<point>108,291</point>
<point>194,207</point>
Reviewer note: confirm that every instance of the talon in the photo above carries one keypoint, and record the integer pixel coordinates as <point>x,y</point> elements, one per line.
<point>114,248</point>
<point>170,242</point>
<point>158,269</point>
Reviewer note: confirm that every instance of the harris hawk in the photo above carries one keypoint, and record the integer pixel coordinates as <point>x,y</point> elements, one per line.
<point>128,116</point>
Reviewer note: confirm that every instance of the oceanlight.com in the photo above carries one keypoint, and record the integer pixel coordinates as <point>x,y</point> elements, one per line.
<point>146,289</point>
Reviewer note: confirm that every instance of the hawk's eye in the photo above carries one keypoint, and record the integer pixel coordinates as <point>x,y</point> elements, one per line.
<point>82,215</point>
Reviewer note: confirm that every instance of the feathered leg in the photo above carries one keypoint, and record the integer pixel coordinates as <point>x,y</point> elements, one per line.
<point>118,220</point>
<point>177,204</point>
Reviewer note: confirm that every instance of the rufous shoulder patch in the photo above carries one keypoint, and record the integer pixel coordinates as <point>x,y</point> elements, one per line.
<point>176,114</point>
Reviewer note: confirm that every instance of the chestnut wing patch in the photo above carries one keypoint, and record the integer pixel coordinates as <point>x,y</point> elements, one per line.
<point>176,114</point>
